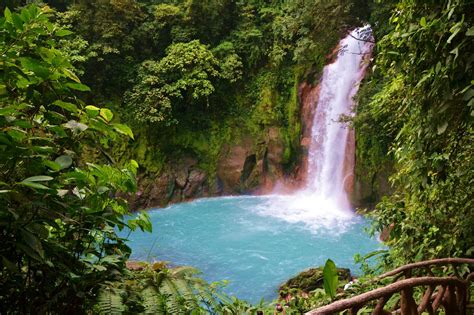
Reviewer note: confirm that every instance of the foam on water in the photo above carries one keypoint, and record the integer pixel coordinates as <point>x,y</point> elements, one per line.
<point>312,212</point>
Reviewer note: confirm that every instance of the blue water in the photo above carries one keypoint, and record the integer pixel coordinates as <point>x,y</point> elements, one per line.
<point>251,241</point>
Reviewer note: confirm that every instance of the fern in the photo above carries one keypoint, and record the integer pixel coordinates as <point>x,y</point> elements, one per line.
<point>152,301</point>
<point>162,291</point>
<point>173,303</point>
<point>109,301</point>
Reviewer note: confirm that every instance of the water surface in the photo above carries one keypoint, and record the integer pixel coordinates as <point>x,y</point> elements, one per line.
<point>254,242</point>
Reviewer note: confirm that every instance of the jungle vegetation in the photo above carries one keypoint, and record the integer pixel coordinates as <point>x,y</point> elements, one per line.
<point>84,83</point>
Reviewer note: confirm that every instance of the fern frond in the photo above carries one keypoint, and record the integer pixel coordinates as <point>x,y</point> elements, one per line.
<point>152,301</point>
<point>110,302</point>
<point>173,298</point>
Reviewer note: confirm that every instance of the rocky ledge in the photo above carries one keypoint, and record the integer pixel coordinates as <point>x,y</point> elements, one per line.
<point>312,279</point>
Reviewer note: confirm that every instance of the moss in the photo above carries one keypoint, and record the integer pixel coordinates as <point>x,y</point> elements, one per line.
<point>312,279</point>
<point>266,100</point>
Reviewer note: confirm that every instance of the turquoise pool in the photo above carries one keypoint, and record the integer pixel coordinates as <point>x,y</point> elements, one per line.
<point>254,242</point>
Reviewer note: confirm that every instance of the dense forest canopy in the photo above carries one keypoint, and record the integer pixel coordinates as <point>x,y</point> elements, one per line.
<point>185,75</point>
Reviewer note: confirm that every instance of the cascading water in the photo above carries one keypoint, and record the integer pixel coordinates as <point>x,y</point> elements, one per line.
<point>330,137</point>
<point>323,202</point>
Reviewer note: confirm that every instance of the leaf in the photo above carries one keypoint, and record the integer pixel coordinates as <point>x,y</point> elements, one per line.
<point>52,165</point>
<point>23,124</point>
<point>106,114</point>
<point>71,75</point>
<point>34,185</point>
<point>78,87</point>
<point>25,15</point>
<point>67,106</point>
<point>92,111</point>
<point>423,21</point>
<point>6,111</point>
<point>110,302</point>
<point>123,129</point>
<point>64,161</point>
<point>40,178</point>
<point>62,33</point>
<point>470,31</point>
<point>35,66</point>
<point>330,278</point>
<point>33,242</point>
<point>8,15</point>
<point>17,21</point>
<point>454,30</point>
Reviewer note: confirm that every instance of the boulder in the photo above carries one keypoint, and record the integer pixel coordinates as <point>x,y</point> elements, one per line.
<point>312,279</point>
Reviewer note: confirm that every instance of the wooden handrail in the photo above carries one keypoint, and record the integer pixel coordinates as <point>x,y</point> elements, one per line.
<point>393,288</point>
<point>451,293</point>
<point>440,261</point>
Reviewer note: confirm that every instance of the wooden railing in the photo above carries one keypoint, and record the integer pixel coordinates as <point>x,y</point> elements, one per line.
<point>450,293</point>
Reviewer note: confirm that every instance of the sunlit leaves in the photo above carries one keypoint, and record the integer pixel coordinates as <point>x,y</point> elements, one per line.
<point>123,129</point>
<point>187,72</point>
<point>428,48</point>
<point>57,215</point>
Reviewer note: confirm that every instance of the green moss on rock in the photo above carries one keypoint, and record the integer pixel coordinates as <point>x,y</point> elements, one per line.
<point>312,279</point>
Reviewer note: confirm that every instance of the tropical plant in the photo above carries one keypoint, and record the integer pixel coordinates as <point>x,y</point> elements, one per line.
<point>59,215</point>
<point>184,77</point>
<point>157,289</point>
<point>423,104</point>
<point>330,278</point>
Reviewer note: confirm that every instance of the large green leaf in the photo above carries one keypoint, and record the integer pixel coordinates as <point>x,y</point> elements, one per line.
<point>66,105</point>
<point>40,178</point>
<point>78,87</point>
<point>34,185</point>
<point>123,129</point>
<point>330,278</point>
<point>92,111</point>
<point>106,114</point>
<point>35,66</point>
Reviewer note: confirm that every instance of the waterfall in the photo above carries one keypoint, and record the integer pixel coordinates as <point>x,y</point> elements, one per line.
<point>331,152</point>
<point>323,201</point>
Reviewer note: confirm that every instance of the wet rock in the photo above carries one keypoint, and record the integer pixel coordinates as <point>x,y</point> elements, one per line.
<point>181,178</point>
<point>196,181</point>
<point>312,279</point>
<point>231,165</point>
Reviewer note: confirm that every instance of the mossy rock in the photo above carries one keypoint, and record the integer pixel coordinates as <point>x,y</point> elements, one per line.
<point>312,279</point>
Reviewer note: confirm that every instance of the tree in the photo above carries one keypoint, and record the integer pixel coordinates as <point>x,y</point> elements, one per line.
<point>180,81</point>
<point>58,214</point>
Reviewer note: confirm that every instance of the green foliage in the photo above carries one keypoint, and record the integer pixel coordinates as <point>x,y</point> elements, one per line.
<point>331,279</point>
<point>422,104</point>
<point>58,218</point>
<point>185,74</point>
<point>157,289</point>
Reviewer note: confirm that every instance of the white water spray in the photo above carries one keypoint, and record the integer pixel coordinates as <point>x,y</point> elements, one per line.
<point>324,201</point>
<point>329,139</point>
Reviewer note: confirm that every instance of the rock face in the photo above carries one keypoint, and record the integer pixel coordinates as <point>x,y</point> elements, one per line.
<point>368,190</point>
<point>252,166</point>
<point>248,165</point>
<point>312,279</point>
<point>180,181</point>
